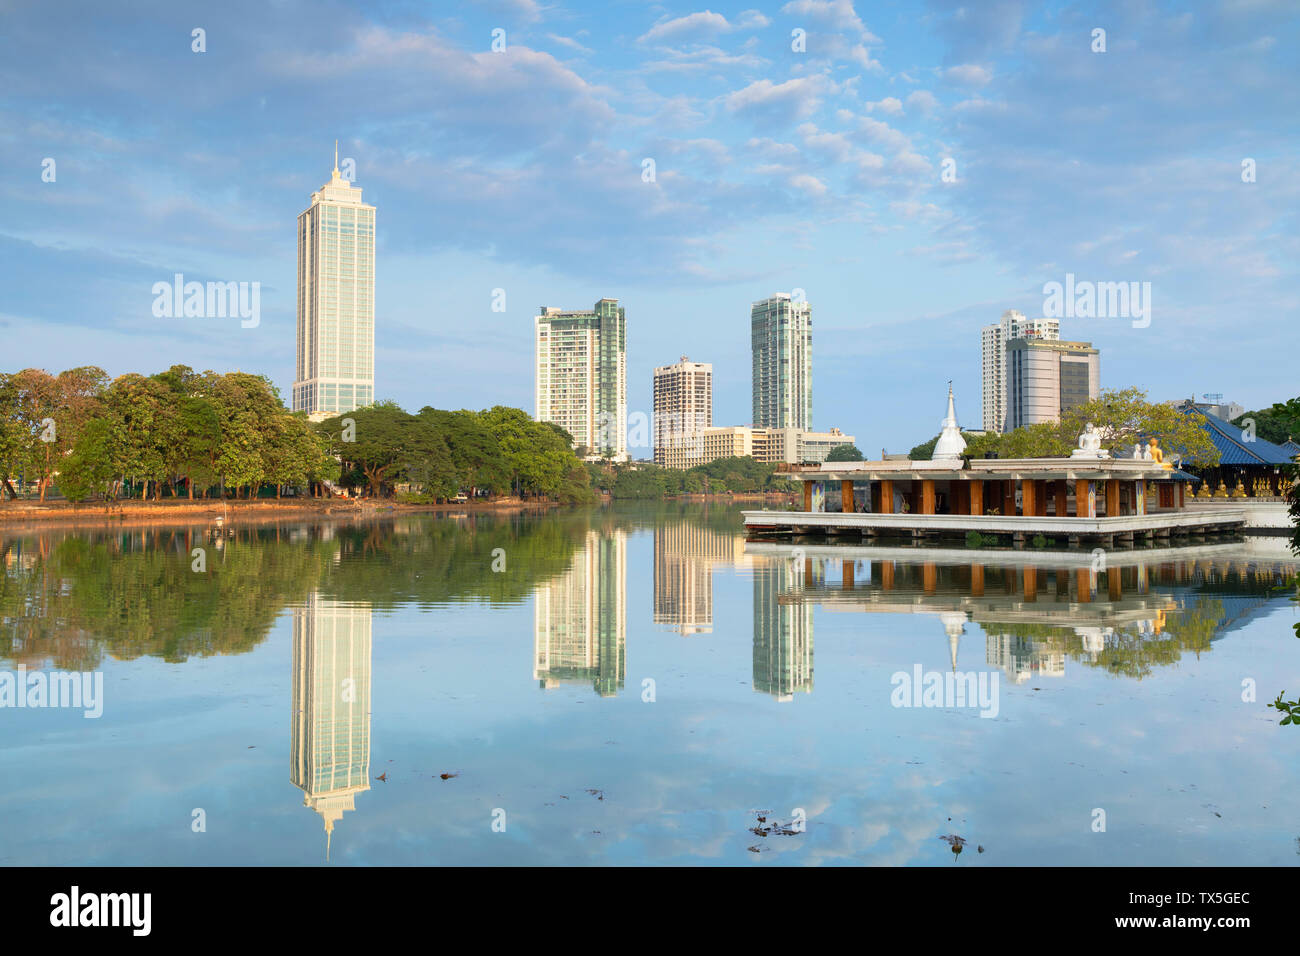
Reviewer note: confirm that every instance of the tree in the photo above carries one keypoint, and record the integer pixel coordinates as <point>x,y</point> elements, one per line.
<point>1125,417</point>
<point>1277,423</point>
<point>385,439</point>
<point>844,453</point>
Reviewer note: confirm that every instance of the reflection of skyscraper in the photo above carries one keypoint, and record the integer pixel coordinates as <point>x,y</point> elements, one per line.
<point>580,618</point>
<point>329,738</point>
<point>684,557</point>
<point>783,634</point>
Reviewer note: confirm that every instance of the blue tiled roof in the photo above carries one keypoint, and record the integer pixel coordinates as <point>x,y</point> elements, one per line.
<point>1233,451</point>
<point>1291,447</point>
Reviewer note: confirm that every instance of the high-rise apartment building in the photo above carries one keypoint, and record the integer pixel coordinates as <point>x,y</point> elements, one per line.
<point>993,353</point>
<point>582,376</point>
<point>1046,379</point>
<point>683,405</point>
<point>336,301</point>
<point>781,342</point>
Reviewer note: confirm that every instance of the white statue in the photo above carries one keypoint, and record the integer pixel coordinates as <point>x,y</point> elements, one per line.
<point>1090,444</point>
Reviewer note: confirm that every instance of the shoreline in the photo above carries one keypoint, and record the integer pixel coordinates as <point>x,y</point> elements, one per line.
<point>17,516</point>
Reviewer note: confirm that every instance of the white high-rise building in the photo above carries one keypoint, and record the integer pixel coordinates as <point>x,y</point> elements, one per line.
<point>683,406</point>
<point>993,359</point>
<point>581,380</point>
<point>336,301</point>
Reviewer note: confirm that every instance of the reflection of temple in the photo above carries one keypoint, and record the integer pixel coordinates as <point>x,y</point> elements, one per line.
<point>685,554</point>
<point>783,633</point>
<point>580,618</point>
<point>1125,611</point>
<point>329,737</point>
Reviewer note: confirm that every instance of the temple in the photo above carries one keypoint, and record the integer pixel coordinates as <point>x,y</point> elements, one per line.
<point>1090,495</point>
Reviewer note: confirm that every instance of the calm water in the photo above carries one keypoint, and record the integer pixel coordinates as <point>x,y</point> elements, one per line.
<point>637,685</point>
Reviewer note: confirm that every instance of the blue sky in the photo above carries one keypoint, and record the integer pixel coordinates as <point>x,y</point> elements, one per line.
<point>775,169</point>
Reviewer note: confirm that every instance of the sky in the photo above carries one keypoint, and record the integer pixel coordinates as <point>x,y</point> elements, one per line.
<point>915,168</point>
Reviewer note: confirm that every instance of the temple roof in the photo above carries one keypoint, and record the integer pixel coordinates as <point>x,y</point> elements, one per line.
<point>1233,450</point>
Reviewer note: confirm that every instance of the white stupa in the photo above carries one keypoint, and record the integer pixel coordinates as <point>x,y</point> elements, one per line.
<point>950,444</point>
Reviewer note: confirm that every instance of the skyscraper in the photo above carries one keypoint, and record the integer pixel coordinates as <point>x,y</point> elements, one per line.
<point>582,376</point>
<point>336,301</point>
<point>683,404</point>
<point>781,341</point>
<point>993,352</point>
<point>1046,379</point>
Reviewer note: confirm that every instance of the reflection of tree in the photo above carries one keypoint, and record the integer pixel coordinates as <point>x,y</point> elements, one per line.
<point>70,598</point>
<point>1132,651</point>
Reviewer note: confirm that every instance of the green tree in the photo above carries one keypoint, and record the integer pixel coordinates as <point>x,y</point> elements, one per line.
<point>844,453</point>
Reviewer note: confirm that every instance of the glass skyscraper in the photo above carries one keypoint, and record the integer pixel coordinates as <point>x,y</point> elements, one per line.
<point>336,301</point>
<point>781,340</point>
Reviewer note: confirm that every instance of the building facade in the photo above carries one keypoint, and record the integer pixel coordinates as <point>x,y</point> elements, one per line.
<point>781,343</point>
<point>336,301</point>
<point>683,408</point>
<point>768,445</point>
<point>1047,378</point>
<point>581,382</point>
<point>993,359</point>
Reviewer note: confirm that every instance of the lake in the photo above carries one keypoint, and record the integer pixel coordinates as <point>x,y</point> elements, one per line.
<point>637,685</point>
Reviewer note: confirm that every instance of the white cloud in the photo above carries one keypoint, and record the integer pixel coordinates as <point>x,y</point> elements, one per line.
<point>969,74</point>
<point>796,98</point>
<point>836,14</point>
<point>699,26</point>
<point>922,101</point>
<point>809,184</point>
<point>889,104</point>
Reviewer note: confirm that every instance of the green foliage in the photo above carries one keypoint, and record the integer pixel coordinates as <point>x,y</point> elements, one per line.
<point>844,453</point>
<point>1123,416</point>
<point>737,475</point>
<point>1289,707</point>
<point>1278,422</point>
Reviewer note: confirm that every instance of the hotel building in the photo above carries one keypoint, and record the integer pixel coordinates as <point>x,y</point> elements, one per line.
<point>993,353</point>
<point>336,301</point>
<point>581,382</point>
<point>781,344</point>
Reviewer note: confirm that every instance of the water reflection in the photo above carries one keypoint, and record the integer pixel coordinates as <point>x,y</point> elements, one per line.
<point>686,552</point>
<point>329,734</point>
<point>580,617</point>
<point>1130,614</point>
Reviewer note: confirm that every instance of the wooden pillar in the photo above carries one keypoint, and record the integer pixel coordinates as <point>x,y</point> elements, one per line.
<point>1028,499</point>
<point>929,577</point>
<point>807,496</point>
<point>887,497</point>
<point>977,580</point>
<point>1031,584</point>
<point>807,572</point>
<point>1181,485</point>
<point>1062,498</point>
<point>1113,588</point>
<point>846,575</point>
<point>1009,498</point>
<point>846,497</point>
<point>927,496</point>
<point>1112,497</point>
<point>887,575</point>
<point>1085,504</point>
<point>1083,584</point>
<point>961,498</point>
<point>1040,498</point>
<point>976,496</point>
